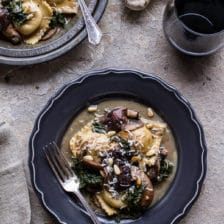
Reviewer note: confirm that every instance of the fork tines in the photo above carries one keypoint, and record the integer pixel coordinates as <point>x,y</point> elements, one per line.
<point>58,162</point>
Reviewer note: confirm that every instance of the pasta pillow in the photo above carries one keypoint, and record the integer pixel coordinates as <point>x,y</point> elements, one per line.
<point>38,20</point>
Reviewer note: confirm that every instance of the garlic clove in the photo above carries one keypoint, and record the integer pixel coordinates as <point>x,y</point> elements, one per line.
<point>137,5</point>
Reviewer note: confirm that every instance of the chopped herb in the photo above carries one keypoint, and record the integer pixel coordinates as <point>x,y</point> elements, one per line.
<point>124,144</point>
<point>134,209</point>
<point>58,19</point>
<point>98,127</point>
<point>15,10</point>
<point>134,196</point>
<point>166,168</point>
<point>106,111</point>
<point>86,175</point>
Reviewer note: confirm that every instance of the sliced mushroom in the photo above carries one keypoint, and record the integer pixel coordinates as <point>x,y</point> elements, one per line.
<point>115,120</point>
<point>92,163</point>
<point>11,34</point>
<point>125,135</point>
<point>7,29</point>
<point>4,18</point>
<point>148,193</point>
<point>153,173</point>
<point>50,33</point>
<point>133,125</point>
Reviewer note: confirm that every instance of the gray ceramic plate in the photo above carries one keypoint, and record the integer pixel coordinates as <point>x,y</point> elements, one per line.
<point>62,42</point>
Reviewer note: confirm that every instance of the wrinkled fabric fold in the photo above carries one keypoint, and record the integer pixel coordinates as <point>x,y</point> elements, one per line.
<point>14,196</point>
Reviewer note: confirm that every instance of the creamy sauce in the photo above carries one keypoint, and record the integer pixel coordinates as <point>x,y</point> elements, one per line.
<point>168,140</point>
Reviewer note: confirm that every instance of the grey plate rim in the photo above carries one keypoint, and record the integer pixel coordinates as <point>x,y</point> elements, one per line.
<point>10,60</point>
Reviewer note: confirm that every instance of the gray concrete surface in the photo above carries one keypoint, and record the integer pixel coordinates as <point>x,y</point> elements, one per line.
<point>131,40</point>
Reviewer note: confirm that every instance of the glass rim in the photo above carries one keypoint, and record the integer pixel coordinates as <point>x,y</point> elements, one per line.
<point>189,29</point>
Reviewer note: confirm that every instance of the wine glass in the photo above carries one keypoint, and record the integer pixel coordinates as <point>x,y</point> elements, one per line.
<point>195,27</point>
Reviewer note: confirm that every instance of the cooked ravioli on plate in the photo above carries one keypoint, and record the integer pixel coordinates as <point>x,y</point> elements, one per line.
<point>124,157</point>
<point>34,20</point>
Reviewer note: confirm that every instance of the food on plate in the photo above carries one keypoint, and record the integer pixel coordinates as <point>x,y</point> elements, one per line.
<point>31,21</point>
<point>6,28</point>
<point>121,158</point>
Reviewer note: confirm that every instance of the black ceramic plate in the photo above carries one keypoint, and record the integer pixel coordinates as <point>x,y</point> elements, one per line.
<point>59,44</point>
<point>92,87</point>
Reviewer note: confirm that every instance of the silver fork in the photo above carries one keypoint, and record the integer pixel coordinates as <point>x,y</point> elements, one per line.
<point>66,176</point>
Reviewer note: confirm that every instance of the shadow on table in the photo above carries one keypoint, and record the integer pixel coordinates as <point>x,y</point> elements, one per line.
<point>73,61</point>
<point>193,68</point>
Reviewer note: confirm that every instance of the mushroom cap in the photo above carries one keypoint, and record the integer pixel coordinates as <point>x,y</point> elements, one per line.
<point>148,193</point>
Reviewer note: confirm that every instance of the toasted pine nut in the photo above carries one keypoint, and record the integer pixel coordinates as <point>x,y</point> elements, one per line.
<point>117,170</point>
<point>110,161</point>
<point>92,108</point>
<point>111,133</point>
<point>150,112</point>
<point>132,114</point>
<point>88,157</point>
<point>138,181</point>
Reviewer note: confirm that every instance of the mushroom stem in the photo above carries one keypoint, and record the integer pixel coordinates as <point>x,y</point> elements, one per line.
<point>92,163</point>
<point>132,114</point>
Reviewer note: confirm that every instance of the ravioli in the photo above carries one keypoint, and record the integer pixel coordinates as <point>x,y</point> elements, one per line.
<point>38,20</point>
<point>64,6</point>
<point>118,165</point>
<point>35,20</point>
<point>143,139</point>
<point>91,141</point>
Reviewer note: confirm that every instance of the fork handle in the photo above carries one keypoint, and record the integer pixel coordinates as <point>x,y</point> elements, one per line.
<point>87,207</point>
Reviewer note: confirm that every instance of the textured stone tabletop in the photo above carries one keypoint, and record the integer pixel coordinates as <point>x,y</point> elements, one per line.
<point>131,40</point>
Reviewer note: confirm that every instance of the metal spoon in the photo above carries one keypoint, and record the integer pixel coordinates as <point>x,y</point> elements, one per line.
<point>93,30</point>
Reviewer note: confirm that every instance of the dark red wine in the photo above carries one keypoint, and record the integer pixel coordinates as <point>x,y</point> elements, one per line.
<point>202,16</point>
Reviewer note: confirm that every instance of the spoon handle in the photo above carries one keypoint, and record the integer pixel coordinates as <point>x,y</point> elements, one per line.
<point>93,30</point>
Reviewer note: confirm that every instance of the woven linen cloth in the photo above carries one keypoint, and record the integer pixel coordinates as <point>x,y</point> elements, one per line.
<point>14,196</point>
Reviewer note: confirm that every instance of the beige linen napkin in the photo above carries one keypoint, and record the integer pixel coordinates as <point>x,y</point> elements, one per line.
<point>14,197</point>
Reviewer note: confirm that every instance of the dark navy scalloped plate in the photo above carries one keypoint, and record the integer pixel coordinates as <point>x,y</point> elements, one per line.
<point>93,87</point>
